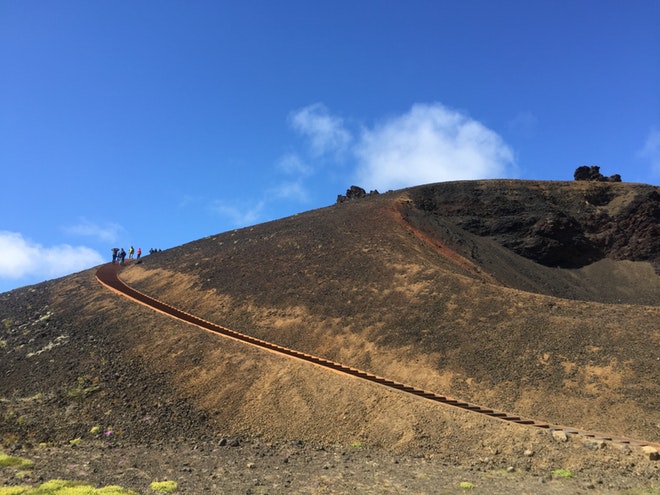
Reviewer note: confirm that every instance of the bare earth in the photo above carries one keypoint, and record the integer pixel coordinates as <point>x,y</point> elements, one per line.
<point>526,297</point>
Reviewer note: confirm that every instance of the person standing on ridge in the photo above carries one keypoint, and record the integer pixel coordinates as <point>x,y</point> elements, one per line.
<point>131,250</point>
<point>122,255</point>
<point>139,253</point>
<point>114,255</point>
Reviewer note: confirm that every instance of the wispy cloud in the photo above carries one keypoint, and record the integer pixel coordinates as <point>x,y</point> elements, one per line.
<point>326,132</point>
<point>20,257</point>
<point>293,189</point>
<point>430,143</point>
<point>238,216</point>
<point>651,151</point>
<point>294,164</point>
<point>106,233</point>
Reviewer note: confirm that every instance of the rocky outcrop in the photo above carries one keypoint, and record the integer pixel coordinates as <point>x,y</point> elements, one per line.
<point>354,192</point>
<point>554,224</point>
<point>593,173</point>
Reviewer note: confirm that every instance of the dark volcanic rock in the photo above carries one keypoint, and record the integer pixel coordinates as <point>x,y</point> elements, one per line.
<point>593,173</point>
<point>573,229</point>
<point>557,239</point>
<point>354,192</point>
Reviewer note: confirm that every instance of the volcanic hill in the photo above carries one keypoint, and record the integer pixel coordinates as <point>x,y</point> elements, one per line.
<point>540,299</point>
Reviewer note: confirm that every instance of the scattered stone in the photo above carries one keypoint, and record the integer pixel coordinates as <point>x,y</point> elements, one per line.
<point>528,453</point>
<point>651,452</point>
<point>593,444</point>
<point>559,436</point>
<point>510,469</point>
<point>625,448</point>
<point>251,465</point>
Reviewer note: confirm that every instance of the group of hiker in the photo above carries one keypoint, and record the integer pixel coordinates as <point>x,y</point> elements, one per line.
<point>119,255</point>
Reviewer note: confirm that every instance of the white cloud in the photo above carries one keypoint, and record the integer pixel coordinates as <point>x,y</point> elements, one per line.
<point>326,132</point>
<point>430,143</point>
<point>107,233</point>
<point>20,258</point>
<point>651,151</point>
<point>290,190</point>
<point>292,164</point>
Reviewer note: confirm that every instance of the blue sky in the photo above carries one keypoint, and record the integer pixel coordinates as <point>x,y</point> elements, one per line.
<point>158,122</point>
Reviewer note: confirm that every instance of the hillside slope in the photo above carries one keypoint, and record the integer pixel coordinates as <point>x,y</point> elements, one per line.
<point>521,296</point>
<point>376,285</point>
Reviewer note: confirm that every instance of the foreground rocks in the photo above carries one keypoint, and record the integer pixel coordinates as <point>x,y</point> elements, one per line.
<point>252,466</point>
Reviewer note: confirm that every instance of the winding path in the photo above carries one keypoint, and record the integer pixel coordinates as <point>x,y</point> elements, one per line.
<point>108,275</point>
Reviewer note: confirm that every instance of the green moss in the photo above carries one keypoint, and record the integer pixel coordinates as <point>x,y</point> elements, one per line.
<point>54,485</point>
<point>19,462</point>
<point>63,487</point>
<point>164,486</point>
<point>14,490</point>
<point>112,490</point>
<point>83,388</point>
<point>466,485</point>
<point>562,473</point>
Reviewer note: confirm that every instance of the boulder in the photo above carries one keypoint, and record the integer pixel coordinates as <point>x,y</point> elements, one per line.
<point>559,436</point>
<point>592,173</point>
<point>651,452</point>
